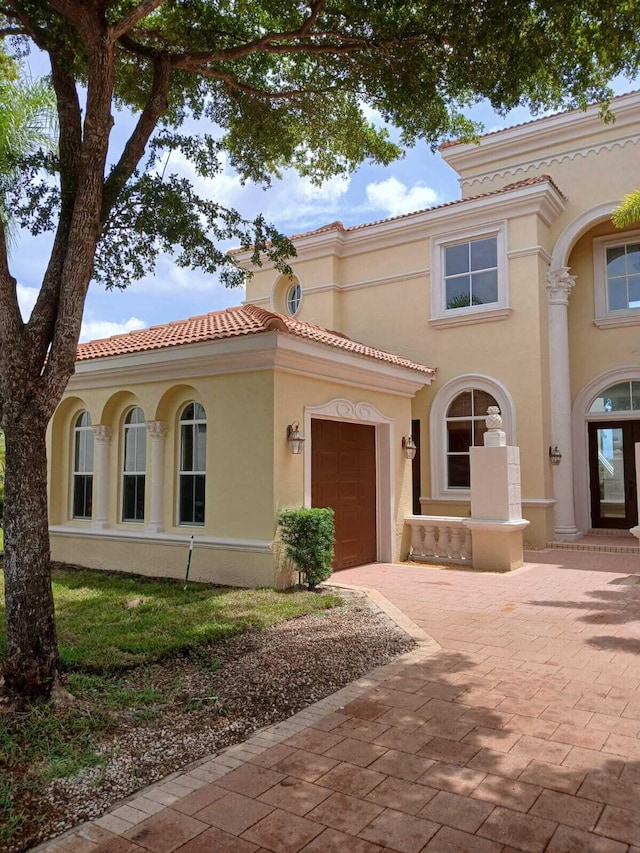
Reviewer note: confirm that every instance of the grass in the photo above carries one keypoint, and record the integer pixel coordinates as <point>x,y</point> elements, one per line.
<point>110,628</point>
<point>111,622</point>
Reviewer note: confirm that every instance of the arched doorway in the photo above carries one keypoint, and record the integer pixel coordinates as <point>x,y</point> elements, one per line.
<point>606,429</point>
<point>613,430</point>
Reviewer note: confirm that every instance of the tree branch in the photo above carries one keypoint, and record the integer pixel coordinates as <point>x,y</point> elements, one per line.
<point>84,226</point>
<point>316,8</point>
<point>134,149</point>
<point>141,11</point>
<point>291,95</point>
<point>11,325</point>
<point>42,321</point>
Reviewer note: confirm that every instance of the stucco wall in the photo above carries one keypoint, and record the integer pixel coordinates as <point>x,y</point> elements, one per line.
<point>295,395</point>
<point>239,483</point>
<point>595,351</point>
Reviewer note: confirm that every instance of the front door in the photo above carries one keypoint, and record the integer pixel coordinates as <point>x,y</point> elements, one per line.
<point>343,477</point>
<point>613,473</point>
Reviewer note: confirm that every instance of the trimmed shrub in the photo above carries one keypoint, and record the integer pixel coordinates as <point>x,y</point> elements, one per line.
<point>308,535</point>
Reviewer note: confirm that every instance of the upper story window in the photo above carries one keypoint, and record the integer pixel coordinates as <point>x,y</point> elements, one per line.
<point>294,297</point>
<point>471,273</point>
<point>193,464</point>
<point>82,466</point>
<point>616,271</point>
<point>623,276</point>
<point>468,277</point>
<point>134,465</point>
<point>286,296</point>
<point>621,397</point>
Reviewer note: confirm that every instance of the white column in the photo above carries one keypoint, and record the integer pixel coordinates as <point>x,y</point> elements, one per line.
<point>559,286</point>
<point>157,431</point>
<point>101,475</point>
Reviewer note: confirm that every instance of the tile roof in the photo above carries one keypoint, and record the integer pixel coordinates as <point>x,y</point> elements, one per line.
<point>338,226</point>
<point>232,323</point>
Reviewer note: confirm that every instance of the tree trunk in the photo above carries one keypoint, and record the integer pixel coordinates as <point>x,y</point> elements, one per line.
<point>31,665</point>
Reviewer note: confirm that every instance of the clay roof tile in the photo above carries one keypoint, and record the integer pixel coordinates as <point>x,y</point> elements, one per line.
<point>230,323</point>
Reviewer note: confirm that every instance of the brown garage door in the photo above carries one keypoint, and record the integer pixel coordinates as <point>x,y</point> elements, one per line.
<point>343,476</point>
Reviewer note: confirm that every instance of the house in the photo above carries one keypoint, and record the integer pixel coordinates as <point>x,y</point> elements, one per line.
<point>521,294</point>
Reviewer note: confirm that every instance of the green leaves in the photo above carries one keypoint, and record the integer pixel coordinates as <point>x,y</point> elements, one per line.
<point>628,213</point>
<point>291,85</point>
<point>309,535</point>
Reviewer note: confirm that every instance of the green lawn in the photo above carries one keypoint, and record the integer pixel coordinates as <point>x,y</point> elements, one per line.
<point>107,622</point>
<point>110,627</point>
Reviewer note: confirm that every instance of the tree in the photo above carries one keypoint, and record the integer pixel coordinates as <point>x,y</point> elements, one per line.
<point>281,84</point>
<point>628,213</point>
<point>28,123</point>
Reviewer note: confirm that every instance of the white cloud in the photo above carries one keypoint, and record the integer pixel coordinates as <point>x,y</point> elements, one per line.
<point>27,299</point>
<point>93,330</point>
<point>395,198</point>
<point>290,202</point>
<point>372,115</point>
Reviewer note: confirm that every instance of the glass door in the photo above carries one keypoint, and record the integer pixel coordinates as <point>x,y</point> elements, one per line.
<point>613,474</point>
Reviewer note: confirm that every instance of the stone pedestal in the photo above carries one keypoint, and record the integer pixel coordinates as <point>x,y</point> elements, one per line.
<point>497,545</point>
<point>496,522</point>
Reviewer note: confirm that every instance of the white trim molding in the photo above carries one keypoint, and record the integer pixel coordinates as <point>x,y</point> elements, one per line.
<point>438,427</point>
<point>574,230</point>
<point>216,543</point>
<point>261,351</point>
<point>537,144</point>
<point>579,420</point>
<point>443,316</point>
<point>604,317</point>
<point>340,409</point>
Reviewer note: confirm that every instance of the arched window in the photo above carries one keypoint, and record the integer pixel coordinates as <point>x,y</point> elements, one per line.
<point>134,465</point>
<point>465,427</point>
<point>82,466</point>
<point>293,299</point>
<point>193,464</point>
<point>457,423</point>
<point>621,397</point>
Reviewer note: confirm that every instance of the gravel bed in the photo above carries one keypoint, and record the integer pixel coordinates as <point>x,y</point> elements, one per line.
<point>263,677</point>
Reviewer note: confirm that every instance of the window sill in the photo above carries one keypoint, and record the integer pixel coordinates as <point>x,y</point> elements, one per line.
<point>487,316</point>
<point>614,322</point>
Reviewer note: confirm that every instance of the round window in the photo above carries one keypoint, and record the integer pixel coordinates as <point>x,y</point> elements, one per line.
<point>294,296</point>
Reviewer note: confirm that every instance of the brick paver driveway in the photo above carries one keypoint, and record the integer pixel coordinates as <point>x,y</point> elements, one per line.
<point>518,731</point>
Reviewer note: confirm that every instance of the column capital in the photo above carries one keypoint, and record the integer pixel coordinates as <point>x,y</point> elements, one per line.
<point>102,433</point>
<point>157,429</point>
<point>560,283</point>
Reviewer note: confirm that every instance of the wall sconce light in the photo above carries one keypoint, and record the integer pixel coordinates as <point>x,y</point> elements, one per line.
<point>295,438</point>
<point>408,446</point>
<point>554,455</point>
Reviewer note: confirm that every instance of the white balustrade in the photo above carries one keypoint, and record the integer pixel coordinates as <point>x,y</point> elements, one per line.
<point>439,539</point>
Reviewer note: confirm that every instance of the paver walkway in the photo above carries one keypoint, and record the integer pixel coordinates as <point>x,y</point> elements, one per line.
<point>517,730</point>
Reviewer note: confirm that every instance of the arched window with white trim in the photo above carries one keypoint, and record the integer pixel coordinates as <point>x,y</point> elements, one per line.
<point>134,465</point>
<point>193,464</point>
<point>456,424</point>
<point>465,428</point>
<point>621,397</point>
<point>82,466</point>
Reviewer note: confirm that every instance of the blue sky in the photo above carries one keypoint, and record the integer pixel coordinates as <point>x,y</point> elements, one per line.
<point>420,179</point>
